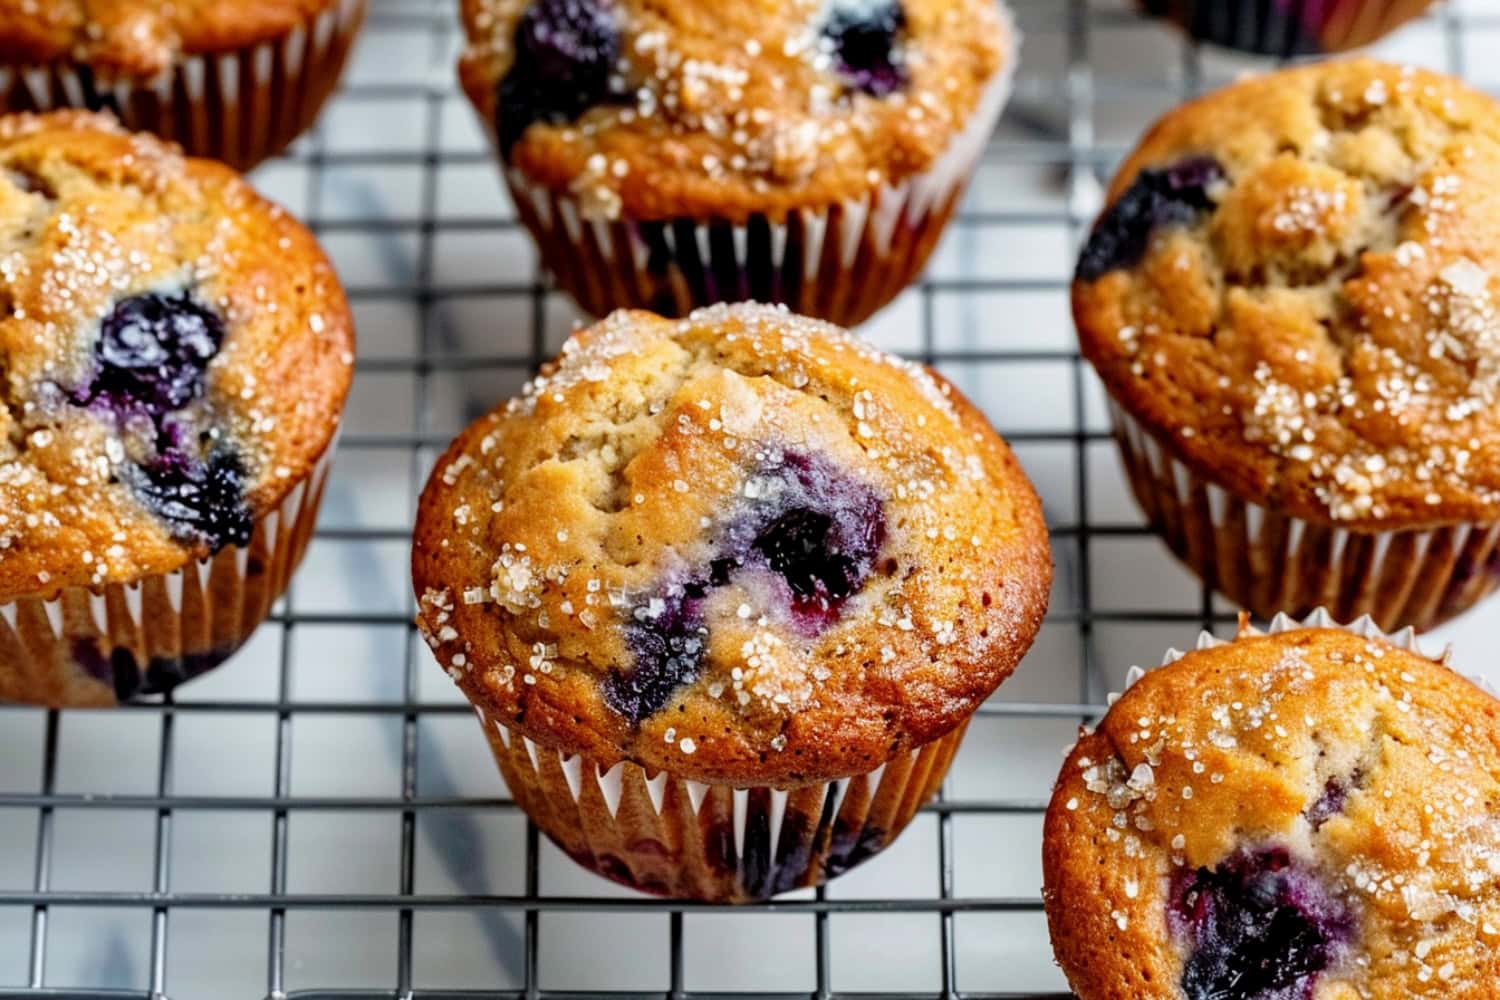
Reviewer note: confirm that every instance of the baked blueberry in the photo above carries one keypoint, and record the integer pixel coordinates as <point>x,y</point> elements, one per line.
<point>565,55</point>
<point>151,355</point>
<point>865,39</point>
<point>821,535</point>
<point>814,526</point>
<point>1331,802</point>
<point>1260,926</point>
<point>1156,200</point>
<point>201,501</point>
<point>667,640</point>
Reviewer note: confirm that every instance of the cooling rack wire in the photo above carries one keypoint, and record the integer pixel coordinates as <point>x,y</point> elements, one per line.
<point>320,818</point>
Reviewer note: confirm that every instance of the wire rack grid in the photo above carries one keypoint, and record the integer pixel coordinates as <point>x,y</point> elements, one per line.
<point>319,818</point>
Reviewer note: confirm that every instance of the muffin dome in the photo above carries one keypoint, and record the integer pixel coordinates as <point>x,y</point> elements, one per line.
<point>742,547</point>
<point>1305,814</point>
<point>1293,287</point>
<point>176,352</point>
<point>693,108</point>
<point>141,38</point>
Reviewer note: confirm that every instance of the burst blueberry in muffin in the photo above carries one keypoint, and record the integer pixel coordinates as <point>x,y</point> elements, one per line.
<point>1305,814</point>
<point>235,82</point>
<point>724,592</point>
<point>178,353</point>
<point>1290,299</point>
<point>670,155</point>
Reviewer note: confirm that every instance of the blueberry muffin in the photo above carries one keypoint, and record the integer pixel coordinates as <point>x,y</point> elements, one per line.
<point>668,155</point>
<point>1290,299</point>
<point>1288,27</point>
<point>724,592</point>
<point>233,81</point>
<point>176,353</point>
<point>1305,814</point>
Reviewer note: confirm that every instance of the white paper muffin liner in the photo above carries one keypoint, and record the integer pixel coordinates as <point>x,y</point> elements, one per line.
<point>671,836</point>
<point>241,106</point>
<point>95,646</point>
<point>841,262</point>
<point>1269,562</point>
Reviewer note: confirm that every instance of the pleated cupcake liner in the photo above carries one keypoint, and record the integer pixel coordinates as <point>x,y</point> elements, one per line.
<point>241,106</point>
<point>841,262</point>
<point>1288,27</point>
<point>1268,562</point>
<point>671,836</point>
<point>98,646</point>
<point>1364,626</point>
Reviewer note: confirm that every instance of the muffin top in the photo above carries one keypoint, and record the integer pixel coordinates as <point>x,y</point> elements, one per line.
<point>141,38</point>
<point>176,353</point>
<point>703,108</point>
<point>1314,813</point>
<point>1294,286</point>
<point>742,547</point>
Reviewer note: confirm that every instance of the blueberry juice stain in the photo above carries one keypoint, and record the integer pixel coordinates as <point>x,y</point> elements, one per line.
<point>808,526</point>
<point>149,366</point>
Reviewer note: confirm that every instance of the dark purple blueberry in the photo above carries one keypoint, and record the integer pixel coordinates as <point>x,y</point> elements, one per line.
<point>865,38</point>
<point>1260,926</point>
<point>1331,802</point>
<point>820,531</point>
<point>667,640</point>
<point>1156,200</point>
<point>807,521</point>
<point>151,355</point>
<point>565,55</point>
<point>201,501</point>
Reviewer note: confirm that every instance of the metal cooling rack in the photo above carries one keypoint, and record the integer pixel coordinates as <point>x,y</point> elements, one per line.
<point>320,818</point>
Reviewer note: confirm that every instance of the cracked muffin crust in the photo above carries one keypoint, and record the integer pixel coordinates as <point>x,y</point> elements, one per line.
<point>1309,814</point>
<point>656,110</point>
<point>1307,317</point>
<point>742,547</point>
<point>177,352</point>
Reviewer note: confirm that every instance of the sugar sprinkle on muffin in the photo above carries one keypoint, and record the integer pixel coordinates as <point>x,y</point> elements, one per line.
<point>743,549</point>
<point>1306,813</point>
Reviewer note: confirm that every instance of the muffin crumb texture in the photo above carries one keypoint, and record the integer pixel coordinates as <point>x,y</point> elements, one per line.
<point>1295,284</point>
<point>700,109</point>
<point>739,546</point>
<point>1306,814</point>
<point>176,353</point>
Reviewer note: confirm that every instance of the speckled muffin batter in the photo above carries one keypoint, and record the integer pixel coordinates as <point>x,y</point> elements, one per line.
<point>698,108</point>
<point>1309,814</point>
<point>1292,292</point>
<point>177,352</point>
<point>741,548</point>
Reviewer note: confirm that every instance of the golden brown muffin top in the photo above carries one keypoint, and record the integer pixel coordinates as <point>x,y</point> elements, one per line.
<point>729,109</point>
<point>176,353</point>
<point>740,547</point>
<point>141,38</point>
<point>1318,803</point>
<point>1295,286</point>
